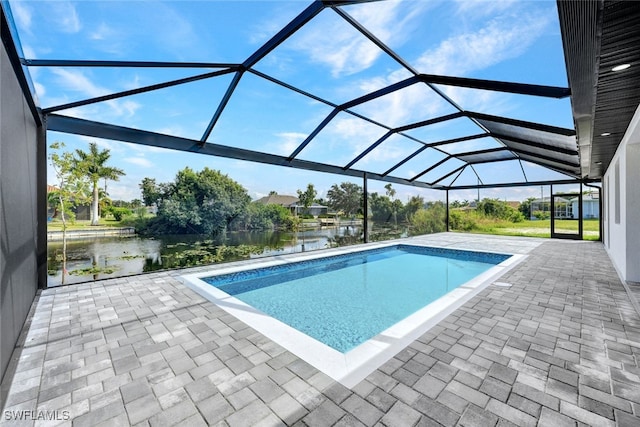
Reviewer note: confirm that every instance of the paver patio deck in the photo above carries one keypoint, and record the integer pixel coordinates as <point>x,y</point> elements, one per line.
<point>559,347</point>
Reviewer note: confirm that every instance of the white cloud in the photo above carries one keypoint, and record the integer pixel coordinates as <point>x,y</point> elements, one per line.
<point>40,89</point>
<point>479,8</point>
<point>123,190</point>
<point>391,21</point>
<point>411,104</point>
<point>29,53</point>
<point>78,82</point>
<point>500,39</point>
<point>330,41</point>
<point>344,51</point>
<point>65,16</point>
<point>288,142</point>
<point>23,15</point>
<point>484,101</point>
<point>354,135</point>
<point>175,33</point>
<point>102,32</point>
<point>494,41</point>
<point>139,161</point>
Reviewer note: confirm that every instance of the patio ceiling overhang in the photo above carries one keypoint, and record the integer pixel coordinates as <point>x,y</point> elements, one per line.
<point>598,36</point>
<point>594,91</point>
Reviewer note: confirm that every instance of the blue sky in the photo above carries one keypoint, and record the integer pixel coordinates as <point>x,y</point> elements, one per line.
<point>500,40</point>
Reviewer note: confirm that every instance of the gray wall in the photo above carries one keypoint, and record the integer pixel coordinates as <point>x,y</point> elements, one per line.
<point>19,206</point>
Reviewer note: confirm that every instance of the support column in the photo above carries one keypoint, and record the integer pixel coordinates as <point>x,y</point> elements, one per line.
<point>446,221</point>
<point>580,214</point>
<point>365,208</point>
<point>41,206</point>
<point>552,210</point>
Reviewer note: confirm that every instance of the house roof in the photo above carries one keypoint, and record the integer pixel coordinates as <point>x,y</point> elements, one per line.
<point>278,199</point>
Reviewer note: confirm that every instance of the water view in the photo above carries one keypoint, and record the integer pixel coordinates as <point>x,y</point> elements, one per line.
<point>108,257</point>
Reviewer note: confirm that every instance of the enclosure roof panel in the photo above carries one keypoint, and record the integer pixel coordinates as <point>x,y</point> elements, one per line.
<point>397,90</point>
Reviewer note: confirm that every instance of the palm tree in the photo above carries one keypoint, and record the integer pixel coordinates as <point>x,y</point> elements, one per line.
<point>92,165</point>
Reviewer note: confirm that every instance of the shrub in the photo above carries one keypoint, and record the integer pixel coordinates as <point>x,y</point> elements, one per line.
<point>461,221</point>
<point>516,216</point>
<point>119,213</point>
<point>541,215</point>
<point>427,221</point>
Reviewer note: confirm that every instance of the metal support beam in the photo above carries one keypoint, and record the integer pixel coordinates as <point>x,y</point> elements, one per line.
<point>580,214</point>
<point>41,206</point>
<point>459,169</point>
<point>552,207</point>
<point>446,221</point>
<point>137,91</point>
<point>600,224</point>
<point>122,64</point>
<point>294,25</point>
<point>365,208</point>
<point>498,86</point>
<point>380,93</point>
<point>22,75</point>
<point>520,123</point>
<point>517,140</point>
<point>313,134</point>
<point>429,122</point>
<point>369,149</point>
<point>222,105</point>
<point>520,184</point>
<point>368,34</point>
<point>430,168</point>
<point>94,129</point>
<point>405,160</point>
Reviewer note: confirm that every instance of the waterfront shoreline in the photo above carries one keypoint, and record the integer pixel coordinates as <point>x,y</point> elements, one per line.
<point>55,235</point>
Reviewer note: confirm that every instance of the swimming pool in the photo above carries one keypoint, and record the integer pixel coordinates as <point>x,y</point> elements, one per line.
<point>354,309</point>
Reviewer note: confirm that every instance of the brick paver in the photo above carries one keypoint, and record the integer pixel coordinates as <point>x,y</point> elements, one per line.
<point>559,347</point>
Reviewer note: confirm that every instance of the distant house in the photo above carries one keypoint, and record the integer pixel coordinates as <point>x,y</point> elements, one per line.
<point>590,206</point>
<point>292,203</point>
<point>82,212</point>
<point>540,205</point>
<point>568,207</point>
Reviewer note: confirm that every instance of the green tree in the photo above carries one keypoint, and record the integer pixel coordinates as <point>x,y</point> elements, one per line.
<point>525,207</point>
<point>391,193</point>
<point>414,204</point>
<point>150,191</point>
<point>92,164</point>
<point>72,189</point>
<point>204,202</point>
<point>347,197</point>
<point>381,207</point>
<point>307,197</point>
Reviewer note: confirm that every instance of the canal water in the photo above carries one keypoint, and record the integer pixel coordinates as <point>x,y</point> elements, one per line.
<point>107,257</point>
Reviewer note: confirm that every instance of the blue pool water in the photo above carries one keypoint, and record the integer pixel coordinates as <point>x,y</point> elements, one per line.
<point>345,300</point>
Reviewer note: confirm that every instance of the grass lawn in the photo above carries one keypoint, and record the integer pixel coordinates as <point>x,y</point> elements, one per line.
<point>537,228</point>
<point>56,225</point>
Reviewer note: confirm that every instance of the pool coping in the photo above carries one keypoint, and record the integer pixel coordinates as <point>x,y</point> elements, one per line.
<point>352,367</point>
